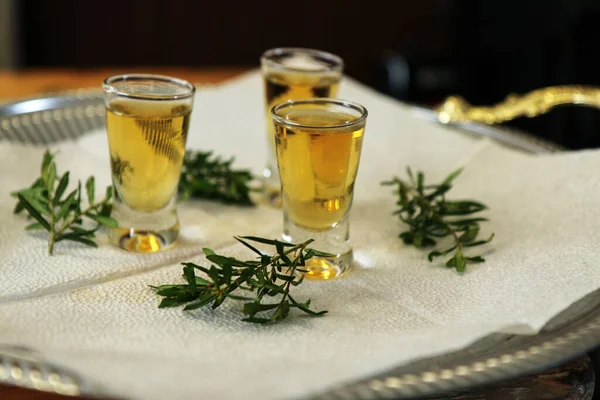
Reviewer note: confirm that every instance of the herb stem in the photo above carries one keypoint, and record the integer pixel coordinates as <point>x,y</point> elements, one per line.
<point>68,222</point>
<point>53,234</point>
<point>302,246</point>
<point>455,236</point>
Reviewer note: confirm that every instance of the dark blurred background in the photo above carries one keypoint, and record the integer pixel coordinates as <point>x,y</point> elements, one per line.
<point>417,51</point>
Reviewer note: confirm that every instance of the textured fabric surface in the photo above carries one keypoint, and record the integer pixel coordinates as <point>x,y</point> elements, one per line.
<point>91,309</point>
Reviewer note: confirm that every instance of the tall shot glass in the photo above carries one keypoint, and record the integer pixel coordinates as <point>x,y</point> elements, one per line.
<point>318,144</point>
<point>147,120</point>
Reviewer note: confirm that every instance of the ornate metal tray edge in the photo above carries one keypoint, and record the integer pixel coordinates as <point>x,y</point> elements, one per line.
<point>44,120</point>
<point>19,368</point>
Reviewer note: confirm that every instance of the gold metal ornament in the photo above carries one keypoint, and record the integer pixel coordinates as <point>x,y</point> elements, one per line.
<point>456,109</point>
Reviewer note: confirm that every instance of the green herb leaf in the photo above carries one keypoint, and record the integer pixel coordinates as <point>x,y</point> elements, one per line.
<point>451,177</point>
<point>248,245</point>
<point>459,261</point>
<point>306,307</point>
<point>75,234</point>
<point>40,206</point>
<point>253,308</point>
<point>87,242</point>
<point>203,300</point>
<point>67,205</point>
<point>190,277</point>
<point>34,212</point>
<point>208,252</point>
<point>47,159</point>
<point>106,221</point>
<point>420,182</point>
<point>170,302</point>
<point>461,207</point>
<point>257,320</point>
<point>317,253</point>
<point>90,189</point>
<point>470,234</point>
<point>466,222</point>
<point>480,242</point>
<point>34,227</point>
<point>213,274</point>
<point>475,260</point>
<point>62,186</point>
<point>51,177</point>
<point>169,290</point>
<point>267,241</point>
<point>410,174</point>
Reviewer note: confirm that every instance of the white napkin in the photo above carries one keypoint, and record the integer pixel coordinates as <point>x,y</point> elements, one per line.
<point>91,310</point>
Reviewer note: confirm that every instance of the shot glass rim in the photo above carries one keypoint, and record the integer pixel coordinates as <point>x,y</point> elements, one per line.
<point>322,100</point>
<point>338,67</point>
<point>108,86</point>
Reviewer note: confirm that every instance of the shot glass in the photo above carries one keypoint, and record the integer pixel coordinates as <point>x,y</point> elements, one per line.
<point>294,73</point>
<point>318,144</point>
<point>147,120</point>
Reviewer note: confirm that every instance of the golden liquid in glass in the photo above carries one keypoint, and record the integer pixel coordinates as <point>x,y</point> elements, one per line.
<point>147,146</point>
<point>318,167</point>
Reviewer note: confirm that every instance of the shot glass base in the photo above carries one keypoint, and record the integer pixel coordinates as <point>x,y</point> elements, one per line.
<point>322,268</point>
<point>333,241</point>
<point>140,232</point>
<point>144,241</point>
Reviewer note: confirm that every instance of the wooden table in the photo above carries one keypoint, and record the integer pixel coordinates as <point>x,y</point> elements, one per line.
<point>25,83</point>
<point>573,380</point>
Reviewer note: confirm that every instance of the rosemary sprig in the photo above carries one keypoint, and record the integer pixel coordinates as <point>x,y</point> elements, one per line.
<point>62,216</point>
<point>265,277</point>
<point>431,217</point>
<point>204,176</point>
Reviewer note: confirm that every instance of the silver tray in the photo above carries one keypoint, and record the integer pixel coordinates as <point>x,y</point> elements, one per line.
<point>40,121</point>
